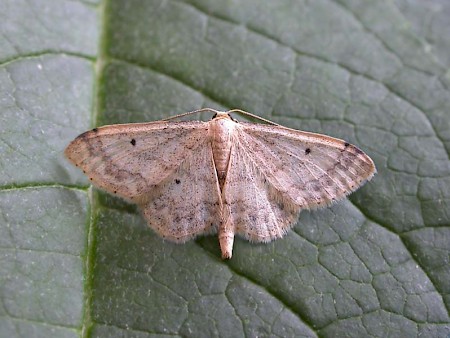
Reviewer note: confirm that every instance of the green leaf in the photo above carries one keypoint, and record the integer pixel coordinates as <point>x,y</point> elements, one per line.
<point>78,262</point>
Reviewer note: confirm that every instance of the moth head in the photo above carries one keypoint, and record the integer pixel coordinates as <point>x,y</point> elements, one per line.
<point>223,115</point>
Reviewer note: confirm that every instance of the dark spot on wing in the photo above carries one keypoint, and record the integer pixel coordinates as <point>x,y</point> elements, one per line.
<point>177,181</point>
<point>133,141</point>
<point>95,130</point>
<point>358,151</point>
<point>346,144</point>
<point>307,151</point>
<point>214,116</point>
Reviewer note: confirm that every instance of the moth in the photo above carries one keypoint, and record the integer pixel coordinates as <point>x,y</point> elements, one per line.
<point>223,176</point>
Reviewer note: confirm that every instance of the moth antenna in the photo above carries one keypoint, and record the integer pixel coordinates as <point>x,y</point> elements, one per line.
<point>243,112</point>
<point>190,113</point>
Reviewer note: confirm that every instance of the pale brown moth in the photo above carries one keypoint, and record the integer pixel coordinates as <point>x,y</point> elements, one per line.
<point>222,176</point>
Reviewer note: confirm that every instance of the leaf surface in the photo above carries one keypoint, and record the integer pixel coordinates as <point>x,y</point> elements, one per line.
<point>77,262</point>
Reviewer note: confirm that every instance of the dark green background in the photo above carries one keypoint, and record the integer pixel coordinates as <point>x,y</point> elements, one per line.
<point>76,262</point>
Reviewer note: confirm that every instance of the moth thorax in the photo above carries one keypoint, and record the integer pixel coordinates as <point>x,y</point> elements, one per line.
<point>222,136</point>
